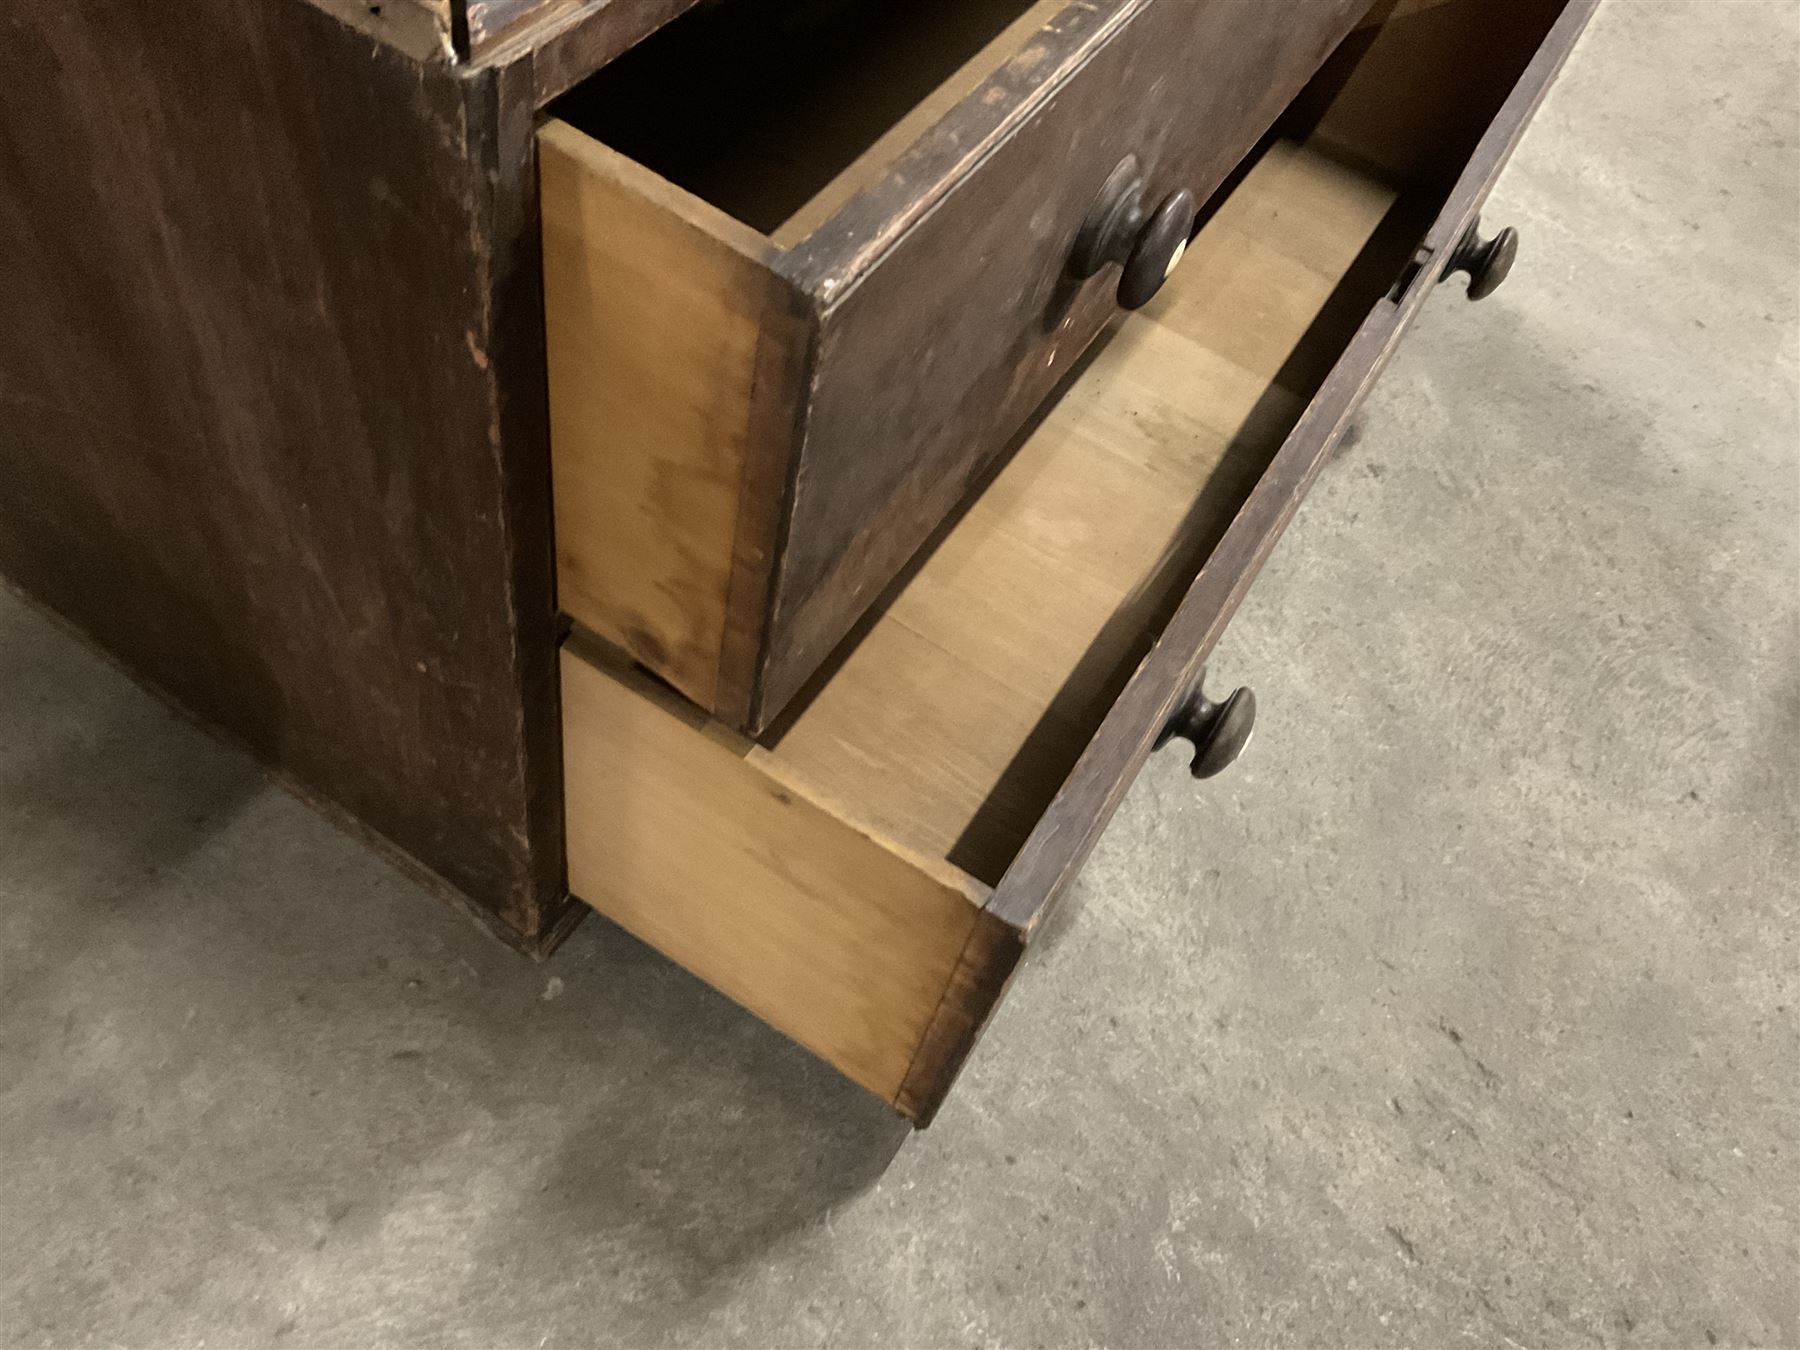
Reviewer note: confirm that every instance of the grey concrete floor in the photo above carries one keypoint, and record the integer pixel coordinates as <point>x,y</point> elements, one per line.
<point>1463,1011</point>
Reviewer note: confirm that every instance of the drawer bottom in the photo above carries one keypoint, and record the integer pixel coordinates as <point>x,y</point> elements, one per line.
<point>834,876</point>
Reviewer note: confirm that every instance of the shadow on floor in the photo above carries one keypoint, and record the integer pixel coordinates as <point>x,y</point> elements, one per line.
<point>224,976</point>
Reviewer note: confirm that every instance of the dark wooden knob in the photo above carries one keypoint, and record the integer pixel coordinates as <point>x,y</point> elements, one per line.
<point>1218,731</point>
<point>1146,244</point>
<point>1487,261</point>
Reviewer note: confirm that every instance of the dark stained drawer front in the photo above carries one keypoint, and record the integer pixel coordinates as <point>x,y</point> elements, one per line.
<point>802,286</point>
<point>866,876</point>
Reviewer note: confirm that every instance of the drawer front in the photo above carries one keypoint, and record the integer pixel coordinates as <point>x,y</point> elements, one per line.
<point>867,879</point>
<point>951,308</point>
<point>756,421</point>
<point>1170,674</point>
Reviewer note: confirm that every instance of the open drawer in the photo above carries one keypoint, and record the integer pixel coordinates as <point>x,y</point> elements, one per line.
<point>808,267</point>
<point>866,875</point>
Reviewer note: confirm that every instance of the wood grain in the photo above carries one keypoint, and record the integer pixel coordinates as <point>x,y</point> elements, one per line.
<point>267,382</point>
<point>957,714</point>
<point>656,308</point>
<point>842,941</point>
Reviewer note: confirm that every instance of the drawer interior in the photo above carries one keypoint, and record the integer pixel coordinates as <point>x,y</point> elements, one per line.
<point>956,712</point>
<point>779,114</point>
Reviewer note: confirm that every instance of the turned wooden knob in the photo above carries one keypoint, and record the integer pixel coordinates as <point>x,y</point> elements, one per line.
<point>1487,261</point>
<point>1218,731</point>
<point>1145,243</point>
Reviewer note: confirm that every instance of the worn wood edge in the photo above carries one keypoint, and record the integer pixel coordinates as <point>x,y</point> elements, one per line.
<point>503,146</point>
<point>982,974</point>
<point>562,42</point>
<point>785,362</point>
<point>888,148</point>
<point>749,655</point>
<point>1086,801</point>
<point>694,605</point>
<point>477,24</point>
<point>537,944</point>
<point>691,212</point>
<point>831,260</point>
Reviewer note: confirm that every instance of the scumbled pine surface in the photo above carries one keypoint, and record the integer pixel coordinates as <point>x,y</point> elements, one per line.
<point>1462,1012</point>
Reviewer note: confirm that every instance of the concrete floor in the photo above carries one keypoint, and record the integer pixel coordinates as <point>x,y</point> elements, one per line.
<point>1463,1011</point>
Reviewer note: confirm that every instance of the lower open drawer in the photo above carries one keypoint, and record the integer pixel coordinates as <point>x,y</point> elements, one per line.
<point>866,875</point>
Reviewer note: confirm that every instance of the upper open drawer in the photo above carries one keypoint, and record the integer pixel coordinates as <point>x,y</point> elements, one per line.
<point>808,267</point>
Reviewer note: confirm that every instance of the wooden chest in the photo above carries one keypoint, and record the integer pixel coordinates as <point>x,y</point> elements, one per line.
<point>773,474</point>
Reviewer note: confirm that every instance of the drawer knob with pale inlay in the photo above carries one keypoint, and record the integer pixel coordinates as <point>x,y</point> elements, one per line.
<point>1146,242</point>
